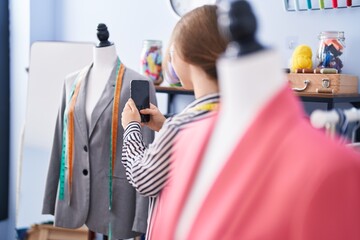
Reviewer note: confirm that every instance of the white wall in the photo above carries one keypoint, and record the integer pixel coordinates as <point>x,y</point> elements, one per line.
<point>129,23</point>
<point>277,27</point>
<point>42,20</point>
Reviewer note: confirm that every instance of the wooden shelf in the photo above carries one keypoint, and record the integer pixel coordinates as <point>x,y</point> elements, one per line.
<point>329,99</point>
<point>171,92</point>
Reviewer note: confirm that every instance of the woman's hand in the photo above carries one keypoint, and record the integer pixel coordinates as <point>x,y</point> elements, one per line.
<point>130,113</point>
<point>156,118</point>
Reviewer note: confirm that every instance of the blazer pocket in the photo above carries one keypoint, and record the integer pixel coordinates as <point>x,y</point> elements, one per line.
<point>121,186</point>
<point>115,176</point>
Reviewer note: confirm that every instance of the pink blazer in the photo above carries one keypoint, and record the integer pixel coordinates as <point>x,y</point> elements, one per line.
<point>284,180</point>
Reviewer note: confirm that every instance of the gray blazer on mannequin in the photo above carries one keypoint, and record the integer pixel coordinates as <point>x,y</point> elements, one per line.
<point>90,193</point>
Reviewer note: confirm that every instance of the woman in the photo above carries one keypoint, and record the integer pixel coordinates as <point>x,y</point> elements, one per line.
<point>194,48</point>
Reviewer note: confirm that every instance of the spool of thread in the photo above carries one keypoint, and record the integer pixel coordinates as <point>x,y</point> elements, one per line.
<point>297,5</point>
<point>328,71</point>
<point>348,3</point>
<point>304,70</point>
<point>309,4</point>
<point>334,3</point>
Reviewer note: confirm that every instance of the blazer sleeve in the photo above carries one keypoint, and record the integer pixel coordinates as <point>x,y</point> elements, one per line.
<point>54,166</point>
<point>141,211</point>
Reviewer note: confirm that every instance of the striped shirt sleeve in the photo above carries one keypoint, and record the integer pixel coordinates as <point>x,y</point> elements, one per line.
<point>147,168</point>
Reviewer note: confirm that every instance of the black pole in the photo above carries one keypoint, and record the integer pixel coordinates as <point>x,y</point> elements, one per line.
<point>4,108</point>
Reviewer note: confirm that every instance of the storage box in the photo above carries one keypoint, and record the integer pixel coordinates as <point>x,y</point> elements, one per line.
<point>323,83</point>
<point>49,232</point>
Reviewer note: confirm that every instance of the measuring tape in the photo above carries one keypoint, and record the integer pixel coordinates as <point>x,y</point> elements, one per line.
<point>67,152</point>
<point>114,127</point>
<point>206,107</point>
<point>68,136</point>
<point>114,130</point>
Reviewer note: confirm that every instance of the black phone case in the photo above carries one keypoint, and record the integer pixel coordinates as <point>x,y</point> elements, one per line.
<point>139,92</point>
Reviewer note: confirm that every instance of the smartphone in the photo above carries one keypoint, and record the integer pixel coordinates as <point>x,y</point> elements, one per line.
<point>139,92</point>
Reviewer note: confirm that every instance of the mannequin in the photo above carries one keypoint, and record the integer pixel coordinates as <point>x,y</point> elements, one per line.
<point>86,182</point>
<point>243,58</point>
<point>104,57</point>
<point>257,169</point>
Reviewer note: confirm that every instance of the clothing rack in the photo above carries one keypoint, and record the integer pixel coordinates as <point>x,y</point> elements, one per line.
<point>330,119</point>
<point>355,146</point>
<point>319,118</point>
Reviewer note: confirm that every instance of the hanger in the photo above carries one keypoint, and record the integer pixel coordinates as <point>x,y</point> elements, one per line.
<point>329,120</point>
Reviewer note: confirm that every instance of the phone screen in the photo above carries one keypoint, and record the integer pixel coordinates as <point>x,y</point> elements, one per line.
<point>139,92</point>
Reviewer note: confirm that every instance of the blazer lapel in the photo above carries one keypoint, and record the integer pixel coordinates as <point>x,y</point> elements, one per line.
<point>80,115</point>
<point>105,99</point>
